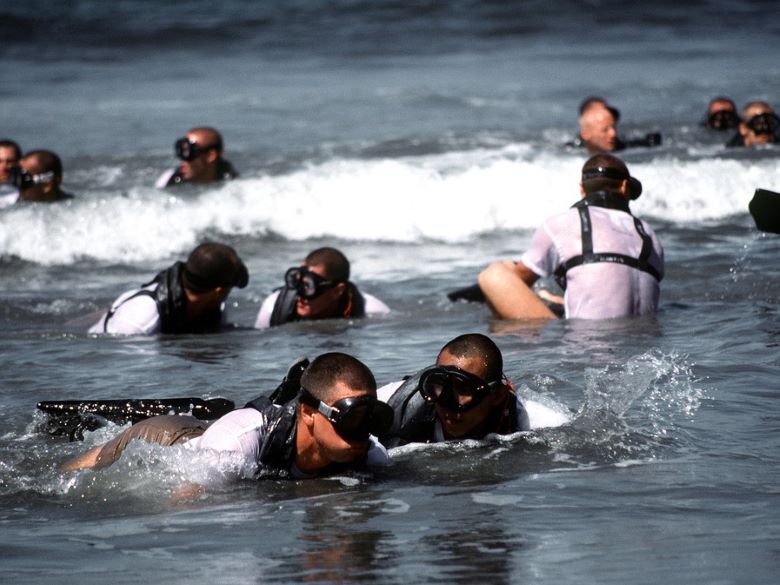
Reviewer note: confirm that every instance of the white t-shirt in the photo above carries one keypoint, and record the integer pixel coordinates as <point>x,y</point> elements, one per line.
<point>162,180</point>
<point>373,307</point>
<point>8,195</point>
<point>600,290</point>
<point>137,316</point>
<point>242,432</point>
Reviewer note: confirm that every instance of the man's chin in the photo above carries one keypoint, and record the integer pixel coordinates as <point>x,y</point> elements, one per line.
<point>454,429</point>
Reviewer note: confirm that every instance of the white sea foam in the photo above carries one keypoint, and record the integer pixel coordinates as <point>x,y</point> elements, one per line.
<point>452,197</point>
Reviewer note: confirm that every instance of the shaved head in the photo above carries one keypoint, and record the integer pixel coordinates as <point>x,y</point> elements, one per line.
<point>597,128</point>
<point>206,137</point>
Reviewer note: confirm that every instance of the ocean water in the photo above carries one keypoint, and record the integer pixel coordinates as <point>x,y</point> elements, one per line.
<point>424,139</point>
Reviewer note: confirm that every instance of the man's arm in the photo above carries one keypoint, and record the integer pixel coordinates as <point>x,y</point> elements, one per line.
<point>507,287</point>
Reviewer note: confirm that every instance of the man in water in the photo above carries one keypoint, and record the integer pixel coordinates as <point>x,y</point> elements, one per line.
<point>609,262</point>
<point>325,429</point>
<point>721,114</point>
<point>598,129</point>
<point>10,153</point>
<point>465,395</point>
<point>200,152</point>
<point>318,289</point>
<point>38,177</point>
<point>759,124</point>
<point>185,298</point>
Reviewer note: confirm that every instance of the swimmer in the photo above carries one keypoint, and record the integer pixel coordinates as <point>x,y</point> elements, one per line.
<point>185,298</point>
<point>759,124</point>
<point>318,289</point>
<point>200,152</point>
<point>38,178</point>
<point>465,395</point>
<point>598,129</point>
<point>608,262</point>
<point>721,114</point>
<point>10,154</point>
<point>326,429</point>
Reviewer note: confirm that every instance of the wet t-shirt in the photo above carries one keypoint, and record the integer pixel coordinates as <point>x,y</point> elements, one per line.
<point>599,290</point>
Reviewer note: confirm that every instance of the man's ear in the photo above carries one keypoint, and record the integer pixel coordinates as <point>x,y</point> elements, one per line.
<point>307,416</point>
<point>582,190</point>
<point>212,155</point>
<point>222,292</point>
<point>743,129</point>
<point>341,288</point>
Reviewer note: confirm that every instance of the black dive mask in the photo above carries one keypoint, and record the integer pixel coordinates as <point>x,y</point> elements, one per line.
<point>22,179</point>
<point>353,418</point>
<point>308,284</point>
<point>454,389</point>
<point>764,124</point>
<point>189,151</point>
<point>723,120</point>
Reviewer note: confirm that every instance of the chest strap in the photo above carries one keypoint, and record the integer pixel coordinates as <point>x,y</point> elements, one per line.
<point>588,256</point>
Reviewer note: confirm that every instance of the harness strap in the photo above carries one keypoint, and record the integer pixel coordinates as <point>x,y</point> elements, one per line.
<point>113,309</point>
<point>588,256</point>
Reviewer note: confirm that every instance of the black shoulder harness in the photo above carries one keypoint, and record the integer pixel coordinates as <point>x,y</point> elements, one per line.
<point>277,452</point>
<point>284,307</point>
<point>171,304</point>
<point>588,256</point>
<point>414,418</point>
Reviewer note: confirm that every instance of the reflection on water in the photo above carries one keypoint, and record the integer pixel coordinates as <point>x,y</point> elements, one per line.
<point>336,542</point>
<point>481,554</point>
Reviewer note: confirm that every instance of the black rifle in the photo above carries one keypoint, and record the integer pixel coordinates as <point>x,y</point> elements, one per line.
<point>72,417</point>
<point>765,209</point>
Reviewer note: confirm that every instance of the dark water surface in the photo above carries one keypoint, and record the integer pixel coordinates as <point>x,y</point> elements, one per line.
<point>423,139</point>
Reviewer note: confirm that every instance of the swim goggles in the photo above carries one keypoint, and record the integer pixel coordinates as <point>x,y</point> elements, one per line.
<point>723,120</point>
<point>189,151</point>
<point>308,284</point>
<point>353,418</point>
<point>454,389</point>
<point>768,124</point>
<point>22,179</point>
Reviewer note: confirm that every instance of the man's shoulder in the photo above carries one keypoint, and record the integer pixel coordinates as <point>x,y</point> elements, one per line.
<point>567,216</point>
<point>133,312</point>
<point>8,196</point>
<point>263,320</point>
<point>243,417</point>
<point>168,178</point>
<point>374,306</point>
<point>141,295</point>
<point>225,170</point>
<point>384,393</point>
